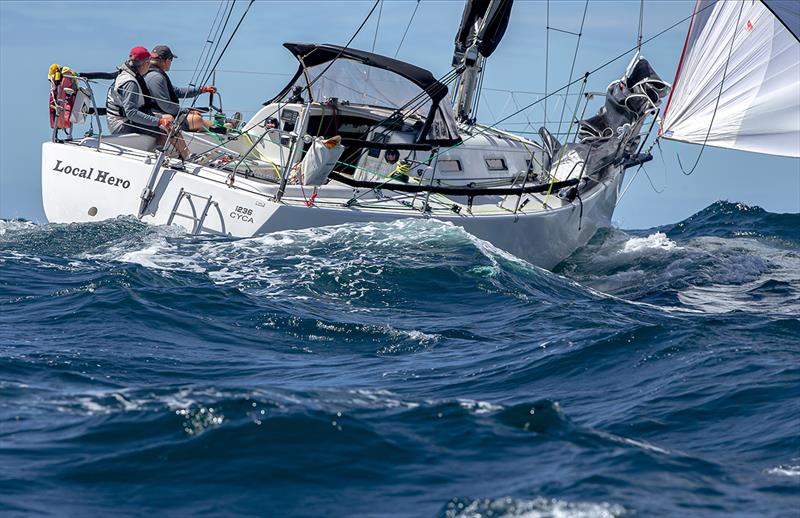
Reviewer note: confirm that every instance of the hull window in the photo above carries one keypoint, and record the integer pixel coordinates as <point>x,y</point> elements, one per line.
<point>449,166</point>
<point>496,164</point>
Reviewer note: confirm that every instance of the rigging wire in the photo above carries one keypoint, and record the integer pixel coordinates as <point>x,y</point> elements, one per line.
<point>208,72</point>
<point>650,180</point>
<point>217,36</point>
<point>479,91</point>
<point>347,45</point>
<point>719,96</point>
<point>546,57</point>
<point>205,57</point>
<point>569,130</point>
<point>408,26</point>
<point>633,178</point>
<point>572,68</point>
<point>529,123</point>
<point>377,26</point>
<point>227,43</point>
<point>199,71</point>
<point>641,25</point>
<point>208,43</point>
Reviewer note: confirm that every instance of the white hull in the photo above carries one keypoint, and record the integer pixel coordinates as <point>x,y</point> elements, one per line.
<point>82,184</point>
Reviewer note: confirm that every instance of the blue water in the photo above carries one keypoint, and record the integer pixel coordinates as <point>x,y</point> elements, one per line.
<point>403,369</point>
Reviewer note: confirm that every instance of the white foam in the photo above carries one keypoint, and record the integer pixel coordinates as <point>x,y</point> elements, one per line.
<point>355,256</point>
<point>15,225</point>
<point>127,405</point>
<point>633,442</point>
<point>536,508</point>
<point>379,398</point>
<point>786,470</point>
<point>657,241</point>
<point>153,250</point>
<point>110,401</point>
<point>92,407</point>
<point>423,339</point>
<point>479,407</point>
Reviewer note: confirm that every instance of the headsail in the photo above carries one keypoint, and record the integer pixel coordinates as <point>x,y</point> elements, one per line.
<point>759,104</point>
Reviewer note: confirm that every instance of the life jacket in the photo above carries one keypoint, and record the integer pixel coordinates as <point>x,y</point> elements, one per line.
<point>62,93</point>
<point>173,96</point>
<point>144,101</point>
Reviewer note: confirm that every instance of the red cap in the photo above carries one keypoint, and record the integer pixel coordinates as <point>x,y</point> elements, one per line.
<point>139,54</point>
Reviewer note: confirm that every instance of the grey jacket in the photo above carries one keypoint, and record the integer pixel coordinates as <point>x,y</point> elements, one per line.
<point>166,95</point>
<point>126,94</point>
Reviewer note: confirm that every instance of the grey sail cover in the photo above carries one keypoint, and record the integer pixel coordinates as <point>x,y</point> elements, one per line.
<point>759,104</point>
<point>495,15</point>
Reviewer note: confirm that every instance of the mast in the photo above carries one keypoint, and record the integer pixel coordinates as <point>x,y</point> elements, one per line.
<point>483,25</point>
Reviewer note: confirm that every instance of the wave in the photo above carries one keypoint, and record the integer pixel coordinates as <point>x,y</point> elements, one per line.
<point>394,288</point>
<point>729,220</point>
<point>340,442</point>
<point>366,268</point>
<point>713,262</point>
<point>408,361</point>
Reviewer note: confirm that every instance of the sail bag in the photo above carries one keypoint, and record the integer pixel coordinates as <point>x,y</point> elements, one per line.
<point>320,160</point>
<point>738,80</point>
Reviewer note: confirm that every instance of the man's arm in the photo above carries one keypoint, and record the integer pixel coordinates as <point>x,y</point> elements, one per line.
<point>187,91</point>
<point>160,92</point>
<point>127,94</point>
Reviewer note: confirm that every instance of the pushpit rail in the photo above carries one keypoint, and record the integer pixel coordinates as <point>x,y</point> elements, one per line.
<point>86,79</point>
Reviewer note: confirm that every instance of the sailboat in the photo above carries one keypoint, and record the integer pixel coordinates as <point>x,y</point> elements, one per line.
<point>359,137</point>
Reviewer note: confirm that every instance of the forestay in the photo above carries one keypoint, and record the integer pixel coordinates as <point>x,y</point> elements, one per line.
<point>752,66</point>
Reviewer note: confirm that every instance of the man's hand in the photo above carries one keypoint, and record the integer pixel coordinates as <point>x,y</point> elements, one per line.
<point>165,122</point>
<point>208,89</point>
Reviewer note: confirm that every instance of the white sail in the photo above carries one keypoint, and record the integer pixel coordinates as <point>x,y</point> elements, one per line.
<point>759,103</point>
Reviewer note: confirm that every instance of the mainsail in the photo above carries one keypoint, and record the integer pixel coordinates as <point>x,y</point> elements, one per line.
<point>738,84</point>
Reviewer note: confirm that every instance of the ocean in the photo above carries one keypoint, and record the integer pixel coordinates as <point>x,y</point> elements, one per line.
<point>400,370</point>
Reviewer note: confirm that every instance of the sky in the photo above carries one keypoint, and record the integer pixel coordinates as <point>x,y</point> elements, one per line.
<point>96,36</point>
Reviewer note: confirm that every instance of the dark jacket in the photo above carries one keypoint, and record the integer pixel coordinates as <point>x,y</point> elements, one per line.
<point>164,93</point>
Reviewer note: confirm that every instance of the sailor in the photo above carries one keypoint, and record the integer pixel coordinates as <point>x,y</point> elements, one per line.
<point>166,95</point>
<point>129,105</point>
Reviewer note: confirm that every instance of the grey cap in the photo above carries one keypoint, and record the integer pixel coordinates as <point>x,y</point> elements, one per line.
<point>162,52</point>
